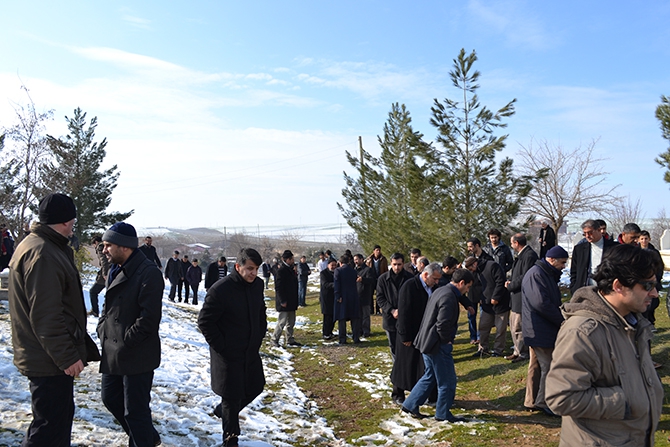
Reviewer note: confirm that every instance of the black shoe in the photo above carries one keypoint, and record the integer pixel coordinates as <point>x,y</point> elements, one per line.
<point>231,441</point>
<point>294,344</point>
<point>398,400</point>
<point>328,337</point>
<point>519,359</point>
<point>171,299</point>
<point>342,342</point>
<point>217,411</point>
<point>195,303</point>
<point>416,415</point>
<point>452,419</point>
<point>480,353</point>
<point>495,354</point>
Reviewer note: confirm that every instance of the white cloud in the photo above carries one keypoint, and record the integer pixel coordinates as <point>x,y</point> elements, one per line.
<point>137,21</point>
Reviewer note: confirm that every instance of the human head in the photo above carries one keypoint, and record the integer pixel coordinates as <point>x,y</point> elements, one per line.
<point>345,259</point>
<point>414,255</point>
<point>544,224</point>
<point>95,240</point>
<point>471,263</point>
<point>449,265</point>
<point>557,257</point>
<point>627,278</point>
<point>222,261</point>
<point>377,251</point>
<point>303,259</point>
<point>494,236</point>
<point>59,212</point>
<point>185,258</point>
<point>397,262</point>
<point>195,262</point>
<point>591,231</point>
<point>120,242</point>
<point>518,241</point>
<point>462,279</point>
<point>603,226</point>
<point>248,261</point>
<point>630,233</point>
<point>322,255</point>
<point>148,240</point>
<point>359,260</point>
<point>332,265</point>
<point>644,239</point>
<point>175,255</point>
<point>474,246</point>
<point>431,274</point>
<point>287,257</point>
<point>421,263</point>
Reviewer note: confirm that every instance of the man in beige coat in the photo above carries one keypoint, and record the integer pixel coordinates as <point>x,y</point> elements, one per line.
<point>602,379</point>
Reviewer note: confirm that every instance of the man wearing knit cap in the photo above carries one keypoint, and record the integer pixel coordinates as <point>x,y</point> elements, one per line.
<point>48,316</point>
<point>128,331</point>
<point>541,319</point>
<point>286,299</point>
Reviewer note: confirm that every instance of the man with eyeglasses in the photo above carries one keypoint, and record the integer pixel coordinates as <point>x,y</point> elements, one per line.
<point>587,256</point>
<point>602,379</point>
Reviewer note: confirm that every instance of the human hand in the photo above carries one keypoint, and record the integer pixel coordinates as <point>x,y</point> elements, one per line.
<point>75,369</point>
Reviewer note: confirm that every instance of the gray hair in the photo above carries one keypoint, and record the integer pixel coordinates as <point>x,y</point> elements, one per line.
<point>432,268</point>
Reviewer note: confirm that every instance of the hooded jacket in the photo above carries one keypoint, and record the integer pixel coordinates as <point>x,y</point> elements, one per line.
<point>602,378</point>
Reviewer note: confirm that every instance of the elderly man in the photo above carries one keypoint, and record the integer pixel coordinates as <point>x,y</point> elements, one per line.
<point>48,316</point>
<point>587,256</point>
<point>629,234</point>
<point>233,321</point>
<point>547,238</point>
<point>541,319</point>
<point>602,379</point>
<point>435,341</point>
<point>128,332</point>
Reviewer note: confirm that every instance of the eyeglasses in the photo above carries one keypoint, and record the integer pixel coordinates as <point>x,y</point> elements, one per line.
<point>648,285</point>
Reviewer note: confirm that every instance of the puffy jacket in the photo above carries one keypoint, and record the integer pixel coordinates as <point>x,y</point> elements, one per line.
<point>46,305</point>
<point>602,378</point>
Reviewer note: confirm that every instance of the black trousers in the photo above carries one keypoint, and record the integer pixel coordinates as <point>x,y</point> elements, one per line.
<point>182,283</point>
<point>93,293</point>
<point>230,415</point>
<point>355,330</point>
<point>328,325</point>
<point>127,398</point>
<point>53,410</point>
<point>195,294</point>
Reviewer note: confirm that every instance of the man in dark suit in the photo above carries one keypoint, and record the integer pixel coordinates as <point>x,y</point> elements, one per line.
<point>586,257</point>
<point>327,298</point>
<point>150,251</point>
<point>435,341</point>
<point>547,238</point>
<point>525,259</point>
<point>347,302</point>
<point>365,284</point>
<point>286,300</point>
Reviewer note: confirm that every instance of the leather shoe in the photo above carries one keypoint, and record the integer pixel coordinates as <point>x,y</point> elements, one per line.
<point>511,357</point>
<point>416,415</point>
<point>519,359</point>
<point>452,419</point>
<point>398,400</point>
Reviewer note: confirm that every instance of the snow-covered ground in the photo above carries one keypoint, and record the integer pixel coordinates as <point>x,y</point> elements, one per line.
<point>182,400</point>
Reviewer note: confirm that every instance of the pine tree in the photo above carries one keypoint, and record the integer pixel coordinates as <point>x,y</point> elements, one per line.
<point>476,195</point>
<point>663,116</point>
<point>75,172</point>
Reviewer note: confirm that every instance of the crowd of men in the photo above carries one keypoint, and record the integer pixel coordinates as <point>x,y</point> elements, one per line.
<point>589,360</point>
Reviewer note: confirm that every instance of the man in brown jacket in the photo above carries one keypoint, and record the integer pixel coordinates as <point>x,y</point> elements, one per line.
<point>602,379</point>
<point>46,305</point>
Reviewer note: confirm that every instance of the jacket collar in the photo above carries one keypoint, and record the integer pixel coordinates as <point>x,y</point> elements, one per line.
<point>128,268</point>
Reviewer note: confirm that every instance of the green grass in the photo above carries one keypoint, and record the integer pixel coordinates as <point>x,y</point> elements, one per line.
<point>489,389</point>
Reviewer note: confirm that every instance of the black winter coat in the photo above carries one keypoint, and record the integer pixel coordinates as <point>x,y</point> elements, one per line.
<point>212,274</point>
<point>580,262</point>
<point>523,262</point>
<point>387,296</point>
<point>131,316</point>
<point>493,279</point>
<point>366,286</point>
<point>327,292</point>
<point>286,289</point>
<point>347,303</point>
<point>173,270</point>
<point>233,321</point>
<point>541,315</point>
<point>150,253</point>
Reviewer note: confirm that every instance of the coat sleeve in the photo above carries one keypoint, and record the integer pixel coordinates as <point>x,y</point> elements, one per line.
<point>382,300</point>
<point>337,284</point>
<point>150,301</point>
<point>576,364</point>
<point>526,262</point>
<point>211,312</point>
<point>537,296</point>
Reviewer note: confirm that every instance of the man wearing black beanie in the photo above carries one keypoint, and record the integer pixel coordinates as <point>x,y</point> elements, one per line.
<point>48,316</point>
<point>128,331</point>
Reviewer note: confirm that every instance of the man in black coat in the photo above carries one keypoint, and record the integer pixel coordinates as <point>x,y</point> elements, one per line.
<point>173,273</point>
<point>347,303</point>
<point>216,271</point>
<point>547,238</point>
<point>183,281</point>
<point>286,300</point>
<point>303,275</point>
<point>101,277</point>
<point>233,321</point>
<point>586,257</point>
<point>150,251</point>
<point>365,285</point>
<point>525,259</point>
<point>128,332</point>
<point>327,298</point>
<point>412,298</point>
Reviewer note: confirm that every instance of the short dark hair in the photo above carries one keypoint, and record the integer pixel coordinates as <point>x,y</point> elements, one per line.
<point>195,260</point>
<point>520,239</point>
<point>627,263</point>
<point>249,254</point>
<point>186,256</point>
<point>424,260</point>
<point>222,259</point>
<point>376,247</point>
<point>176,252</point>
<point>449,261</point>
<point>96,239</point>
<point>645,233</point>
<point>631,228</point>
<point>398,256</point>
<point>494,231</point>
<point>328,252</point>
<point>415,251</point>
<point>344,259</point>
<point>601,223</point>
<point>462,275</point>
<point>592,224</point>
<point>474,241</point>
<point>358,255</point>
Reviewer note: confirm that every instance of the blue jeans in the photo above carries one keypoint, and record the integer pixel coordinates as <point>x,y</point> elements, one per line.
<point>302,292</point>
<point>472,324</point>
<point>439,368</point>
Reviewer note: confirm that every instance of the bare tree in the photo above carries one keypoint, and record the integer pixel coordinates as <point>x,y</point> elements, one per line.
<point>622,212</point>
<point>237,242</point>
<point>661,223</point>
<point>22,160</point>
<point>290,240</point>
<point>350,240</point>
<point>266,248</point>
<point>573,181</point>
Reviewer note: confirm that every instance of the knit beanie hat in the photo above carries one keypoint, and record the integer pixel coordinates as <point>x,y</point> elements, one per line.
<point>56,208</point>
<point>122,234</point>
<point>557,252</point>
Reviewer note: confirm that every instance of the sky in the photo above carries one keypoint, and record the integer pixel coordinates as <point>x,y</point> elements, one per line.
<point>238,114</point>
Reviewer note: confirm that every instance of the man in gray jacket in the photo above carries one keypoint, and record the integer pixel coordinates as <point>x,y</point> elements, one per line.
<point>128,331</point>
<point>434,340</point>
<point>602,378</point>
<point>48,316</point>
